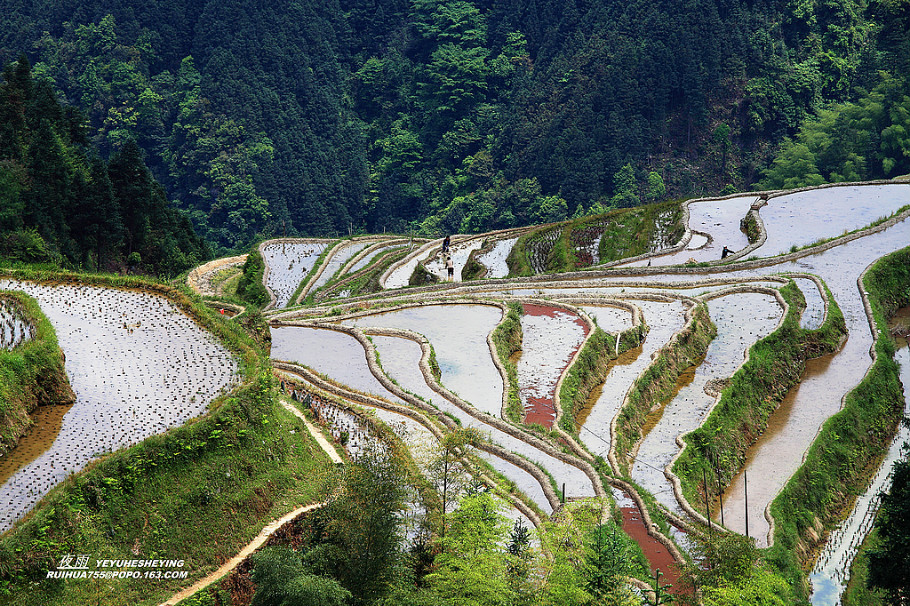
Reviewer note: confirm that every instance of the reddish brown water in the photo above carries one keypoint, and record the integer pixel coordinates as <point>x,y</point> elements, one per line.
<point>550,338</point>
<point>656,553</point>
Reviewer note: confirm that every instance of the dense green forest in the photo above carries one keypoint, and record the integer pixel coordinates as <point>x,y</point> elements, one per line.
<point>61,203</point>
<point>361,115</point>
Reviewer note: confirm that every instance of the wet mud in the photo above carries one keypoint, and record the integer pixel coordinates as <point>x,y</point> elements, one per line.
<point>658,556</point>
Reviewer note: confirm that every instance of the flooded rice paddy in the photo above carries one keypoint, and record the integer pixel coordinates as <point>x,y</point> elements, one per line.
<point>664,320</point>
<point>400,276</point>
<point>459,253</point>
<point>138,366</point>
<point>609,319</point>
<point>717,218</point>
<point>15,327</point>
<point>741,320</point>
<point>335,354</point>
<point>288,264</point>
<point>369,258</point>
<point>400,358</point>
<point>831,571</point>
<point>814,314</point>
<point>550,338</point>
<point>495,260</point>
<point>803,218</point>
<point>458,334</point>
<point>338,259</point>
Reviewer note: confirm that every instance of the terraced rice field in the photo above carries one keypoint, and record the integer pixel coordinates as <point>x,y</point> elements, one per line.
<point>288,264</point>
<point>138,366</point>
<point>425,357</point>
<point>743,315</point>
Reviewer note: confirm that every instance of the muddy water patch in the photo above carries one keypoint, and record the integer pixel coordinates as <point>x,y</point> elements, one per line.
<point>288,264</point>
<point>458,334</point>
<point>741,320</point>
<point>48,422</point>
<point>658,556</point>
<point>550,338</point>
<point>138,366</point>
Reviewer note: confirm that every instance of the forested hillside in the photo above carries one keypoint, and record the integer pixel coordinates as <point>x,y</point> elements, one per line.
<point>323,117</point>
<point>61,203</point>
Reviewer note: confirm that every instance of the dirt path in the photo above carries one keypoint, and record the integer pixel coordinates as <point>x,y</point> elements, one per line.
<point>270,528</point>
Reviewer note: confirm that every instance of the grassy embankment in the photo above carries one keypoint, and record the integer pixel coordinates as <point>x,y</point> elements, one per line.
<point>31,374</point>
<point>717,449</point>
<point>658,383</point>
<point>590,370</point>
<point>250,288</point>
<point>639,230</point>
<point>244,463</point>
<point>626,233</point>
<point>749,225</point>
<point>474,269</point>
<point>851,443</point>
<point>507,339</point>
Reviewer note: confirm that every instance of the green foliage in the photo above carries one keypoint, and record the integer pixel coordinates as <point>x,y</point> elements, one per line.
<point>472,568</point>
<point>282,580</point>
<point>59,203</point>
<point>507,339</point>
<point>590,370</point>
<point>659,381</point>
<point>250,288</point>
<point>838,461</point>
<point>865,139</point>
<point>717,449</point>
<point>365,521</point>
<point>441,116</point>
